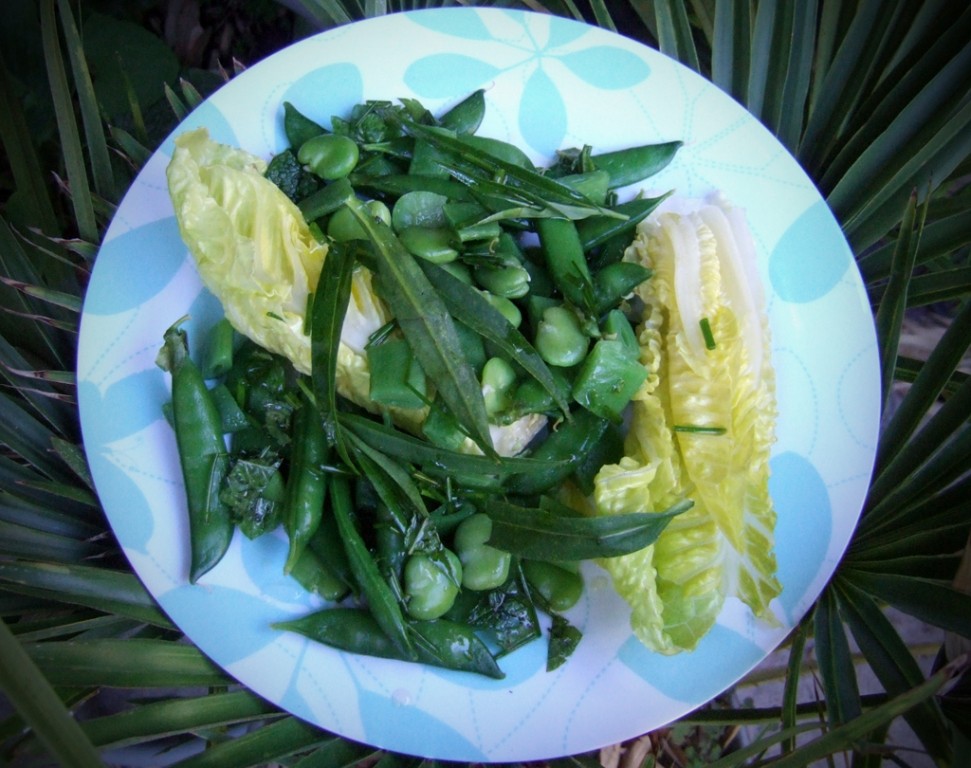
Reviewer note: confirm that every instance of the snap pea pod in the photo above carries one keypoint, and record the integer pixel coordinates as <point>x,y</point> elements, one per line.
<point>202,455</point>
<point>634,164</point>
<point>565,259</point>
<point>566,445</point>
<point>307,481</point>
<point>467,115</point>
<point>381,600</point>
<point>597,230</point>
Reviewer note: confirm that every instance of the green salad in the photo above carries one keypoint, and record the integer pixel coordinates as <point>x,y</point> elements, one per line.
<point>451,376</point>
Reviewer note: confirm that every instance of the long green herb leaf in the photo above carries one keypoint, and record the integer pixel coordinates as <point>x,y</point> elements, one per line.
<point>541,535</point>
<point>438,461</point>
<point>423,317</point>
<point>330,301</point>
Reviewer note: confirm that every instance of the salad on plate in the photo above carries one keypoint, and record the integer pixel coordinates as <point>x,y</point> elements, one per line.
<point>450,375</point>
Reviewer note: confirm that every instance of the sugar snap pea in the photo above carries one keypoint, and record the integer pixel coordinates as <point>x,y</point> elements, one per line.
<point>307,481</point>
<point>202,455</point>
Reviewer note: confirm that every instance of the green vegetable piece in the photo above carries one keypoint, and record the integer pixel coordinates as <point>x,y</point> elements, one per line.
<point>608,449</point>
<point>498,381</point>
<point>397,379</point>
<point>615,282</point>
<point>560,588</point>
<point>608,379</point>
<point>307,481</point>
<point>255,492</point>
<point>342,226</point>
<point>442,428</point>
<point>634,164</point>
<point>427,160</point>
<point>483,566</point>
<point>617,326</point>
<point>231,416</point>
<point>202,455</point>
<point>434,244</point>
<point>593,184</point>
<point>382,601</point>
<point>419,209</point>
<point>290,176</point>
<point>431,583</point>
<point>560,339</point>
<point>509,282</point>
<point>597,230</point>
<point>314,575</point>
<point>564,638</point>
<point>326,200</point>
<point>447,644</point>
<point>298,127</point>
<point>329,155</point>
<point>217,354</point>
<point>540,534</point>
<point>498,149</point>
<point>466,116</point>
<point>565,446</point>
<point>428,326</point>
<point>565,260</point>
<point>505,307</point>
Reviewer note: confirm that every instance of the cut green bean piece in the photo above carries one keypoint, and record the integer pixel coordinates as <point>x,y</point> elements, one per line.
<point>326,200</point>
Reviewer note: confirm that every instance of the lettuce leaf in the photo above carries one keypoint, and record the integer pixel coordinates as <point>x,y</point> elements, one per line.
<point>702,426</point>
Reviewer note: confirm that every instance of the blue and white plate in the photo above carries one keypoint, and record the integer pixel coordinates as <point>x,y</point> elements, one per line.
<point>550,83</point>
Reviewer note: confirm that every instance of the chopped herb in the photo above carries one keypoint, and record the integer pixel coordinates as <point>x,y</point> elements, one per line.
<point>706,332</point>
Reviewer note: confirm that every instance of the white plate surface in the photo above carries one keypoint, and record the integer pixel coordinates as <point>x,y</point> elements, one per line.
<point>550,83</point>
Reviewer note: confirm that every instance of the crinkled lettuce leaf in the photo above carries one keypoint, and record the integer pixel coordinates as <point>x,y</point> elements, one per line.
<point>702,426</point>
<point>256,254</point>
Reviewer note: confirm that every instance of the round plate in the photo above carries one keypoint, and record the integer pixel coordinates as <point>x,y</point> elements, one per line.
<point>550,83</point>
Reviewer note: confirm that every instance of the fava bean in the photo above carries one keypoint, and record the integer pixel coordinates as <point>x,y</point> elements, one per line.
<point>329,155</point>
<point>559,587</point>
<point>560,339</point>
<point>483,566</point>
<point>431,583</point>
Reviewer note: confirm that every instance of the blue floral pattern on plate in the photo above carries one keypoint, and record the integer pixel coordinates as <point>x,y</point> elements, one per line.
<point>550,83</point>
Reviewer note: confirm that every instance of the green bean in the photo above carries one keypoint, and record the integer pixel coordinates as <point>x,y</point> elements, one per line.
<point>560,339</point>
<point>217,357</point>
<point>440,643</point>
<point>307,481</point>
<point>202,455</point>
<point>381,599</point>
<point>330,156</point>
<point>634,164</point>
<point>326,200</point>
<point>565,259</point>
